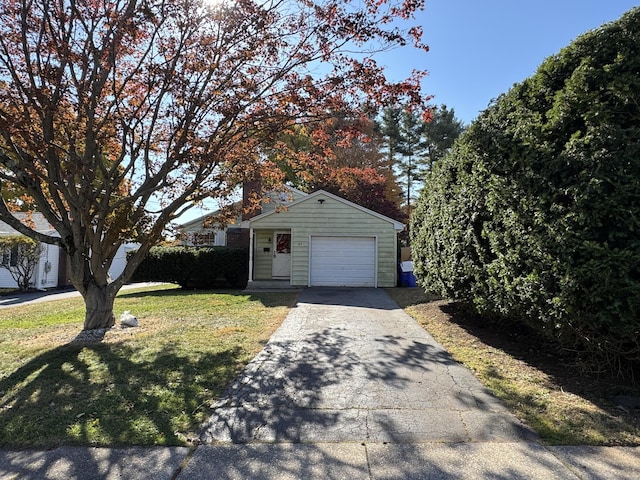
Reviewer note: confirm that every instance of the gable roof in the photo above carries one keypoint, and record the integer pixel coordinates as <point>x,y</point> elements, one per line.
<point>396,225</point>
<point>199,220</point>
<point>39,224</point>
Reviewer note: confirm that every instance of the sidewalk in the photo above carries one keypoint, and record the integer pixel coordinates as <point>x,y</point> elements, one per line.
<point>349,387</point>
<point>17,299</point>
<point>352,461</point>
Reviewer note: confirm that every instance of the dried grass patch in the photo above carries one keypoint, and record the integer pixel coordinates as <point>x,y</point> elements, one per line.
<point>538,384</point>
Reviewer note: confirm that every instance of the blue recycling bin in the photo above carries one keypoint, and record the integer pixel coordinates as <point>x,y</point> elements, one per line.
<point>407,278</point>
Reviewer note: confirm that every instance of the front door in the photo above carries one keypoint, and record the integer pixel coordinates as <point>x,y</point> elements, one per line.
<point>281,267</point>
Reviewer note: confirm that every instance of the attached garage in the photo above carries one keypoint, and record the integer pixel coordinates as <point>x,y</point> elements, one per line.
<point>338,261</point>
<point>329,242</point>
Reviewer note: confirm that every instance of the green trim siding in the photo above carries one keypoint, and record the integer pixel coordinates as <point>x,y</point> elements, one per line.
<point>328,218</point>
<point>261,259</point>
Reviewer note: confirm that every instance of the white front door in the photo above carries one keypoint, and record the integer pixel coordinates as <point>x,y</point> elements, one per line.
<point>281,267</point>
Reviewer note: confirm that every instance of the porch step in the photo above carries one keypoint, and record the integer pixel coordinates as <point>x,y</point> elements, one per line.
<point>261,285</point>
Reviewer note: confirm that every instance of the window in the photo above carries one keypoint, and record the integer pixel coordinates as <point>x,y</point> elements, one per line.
<point>10,257</point>
<point>283,243</point>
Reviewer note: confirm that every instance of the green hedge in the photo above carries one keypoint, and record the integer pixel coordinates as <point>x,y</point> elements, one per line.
<point>534,216</point>
<point>192,267</point>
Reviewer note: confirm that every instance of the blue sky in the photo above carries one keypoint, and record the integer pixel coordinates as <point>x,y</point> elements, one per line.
<point>479,49</point>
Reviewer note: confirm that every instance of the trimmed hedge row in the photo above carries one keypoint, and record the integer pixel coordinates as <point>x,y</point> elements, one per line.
<point>534,216</point>
<point>192,267</point>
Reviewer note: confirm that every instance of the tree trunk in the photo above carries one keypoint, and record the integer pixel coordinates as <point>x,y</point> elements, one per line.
<point>99,307</point>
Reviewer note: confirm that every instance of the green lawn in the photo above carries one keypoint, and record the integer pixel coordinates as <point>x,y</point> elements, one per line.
<point>150,385</point>
<point>153,385</point>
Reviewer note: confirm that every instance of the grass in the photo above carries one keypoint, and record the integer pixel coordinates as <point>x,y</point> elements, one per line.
<point>561,403</point>
<point>150,385</point>
<point>8,291</point>
<point>153,385</point>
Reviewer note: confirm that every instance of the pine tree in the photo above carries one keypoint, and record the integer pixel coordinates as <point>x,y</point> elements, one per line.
<point>440,133</point>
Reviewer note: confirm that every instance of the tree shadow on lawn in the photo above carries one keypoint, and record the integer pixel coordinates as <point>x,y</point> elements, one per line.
<point>523,343</point>
<point>517,340</point>
<point>103,394</point>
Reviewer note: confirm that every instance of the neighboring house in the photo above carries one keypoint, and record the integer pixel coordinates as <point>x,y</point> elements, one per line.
<point>198,232</point>
<point>53,266</point>
<point>203,232</point>
<point>324,240</point>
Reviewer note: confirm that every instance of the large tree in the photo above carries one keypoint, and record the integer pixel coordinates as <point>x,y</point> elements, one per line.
<point>440,133</point>
<point>415,141</point>
<point>389,129</point>
<point>413,149</point>
<point>345,157</point>
<point>116,116</point>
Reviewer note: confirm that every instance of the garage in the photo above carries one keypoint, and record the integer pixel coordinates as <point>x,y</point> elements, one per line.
<point>332,242</point>
<point>343,261</point>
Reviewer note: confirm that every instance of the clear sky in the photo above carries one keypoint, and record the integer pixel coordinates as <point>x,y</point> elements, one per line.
<point>480,48</point>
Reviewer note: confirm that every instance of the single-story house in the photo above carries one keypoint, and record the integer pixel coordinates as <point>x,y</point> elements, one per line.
<point>204,231</point>
<point>200,233</point>
<point>321,239</point>
<point>53,266</point>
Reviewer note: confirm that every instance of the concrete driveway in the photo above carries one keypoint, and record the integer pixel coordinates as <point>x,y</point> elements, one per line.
<point>347,365</point>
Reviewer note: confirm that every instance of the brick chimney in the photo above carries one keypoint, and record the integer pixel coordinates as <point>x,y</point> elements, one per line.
<point>251,195</point>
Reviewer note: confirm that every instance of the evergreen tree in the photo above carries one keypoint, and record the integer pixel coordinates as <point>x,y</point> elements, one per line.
<point>413,150</point>
<point>413,144</point>
<point>390,130</point>
<point>440,133</point>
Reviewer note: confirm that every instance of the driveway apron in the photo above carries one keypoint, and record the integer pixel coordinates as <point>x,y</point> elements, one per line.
<point>348,365</point>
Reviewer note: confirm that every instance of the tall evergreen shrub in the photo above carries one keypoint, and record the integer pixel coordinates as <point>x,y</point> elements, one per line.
<point>534,216</point>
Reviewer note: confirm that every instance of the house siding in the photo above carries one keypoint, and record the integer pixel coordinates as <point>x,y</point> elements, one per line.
<point>51,270</point>
<point>193,232</point>
<point>43,277</point>
<point>47,277</point>
<point>262,259</point>
<point>331,218</point>
<point>46,274</point>
<point>6,280</point>
<point>275,200</point>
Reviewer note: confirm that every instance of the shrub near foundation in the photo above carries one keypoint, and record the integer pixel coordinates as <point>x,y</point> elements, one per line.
<point>535,214</point>
<point>192,267</point>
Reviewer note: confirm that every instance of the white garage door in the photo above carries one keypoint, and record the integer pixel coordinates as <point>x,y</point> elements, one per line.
<point>343,261</point>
